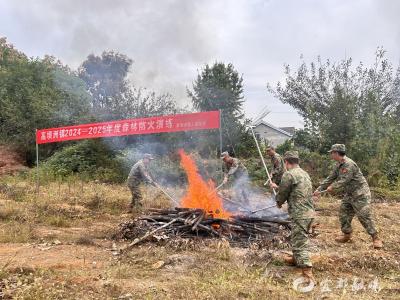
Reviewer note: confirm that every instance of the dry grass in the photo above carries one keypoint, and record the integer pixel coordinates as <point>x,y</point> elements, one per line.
<point>83,218</point>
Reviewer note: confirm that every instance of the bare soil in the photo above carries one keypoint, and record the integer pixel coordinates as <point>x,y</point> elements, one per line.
<point>77,258</point>
<point>10,161</point>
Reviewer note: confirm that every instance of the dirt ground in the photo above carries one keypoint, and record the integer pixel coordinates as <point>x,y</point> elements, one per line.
<point>10,162</point>
<point>58,245</point>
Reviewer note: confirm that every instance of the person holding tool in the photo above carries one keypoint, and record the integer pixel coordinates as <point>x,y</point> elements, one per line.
<point>296,189</point>
<point>236,174</point>
<point>346,177</point>
<point>139,174</point>
<point>278,166</point>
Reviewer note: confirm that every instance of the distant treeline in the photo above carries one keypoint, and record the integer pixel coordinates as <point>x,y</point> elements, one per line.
<point>339,102</point>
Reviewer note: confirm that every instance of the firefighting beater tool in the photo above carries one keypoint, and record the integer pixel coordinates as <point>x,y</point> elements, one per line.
<point>220,186</point>
<point>262,157</point>
<point>165,193</point>
<point>263,113</point>
<point>242,208</point>
<point>270,206</point>
<point>264,208</point>
<point>216,189</point>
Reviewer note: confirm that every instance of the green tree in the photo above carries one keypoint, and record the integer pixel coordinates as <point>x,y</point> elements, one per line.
<point>340,103</point>
<point>113,96</point>
<point>36,93</point>
<point>220,87</point>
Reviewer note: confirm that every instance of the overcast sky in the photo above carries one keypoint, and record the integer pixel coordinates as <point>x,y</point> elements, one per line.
<point>170,40</point>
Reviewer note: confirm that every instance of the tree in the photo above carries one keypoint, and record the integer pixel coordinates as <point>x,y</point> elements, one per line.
<point>36,93</point>
<point>340,103</point>
<point>113,96</point>
<point>105,77</point>
<point>220,87</point>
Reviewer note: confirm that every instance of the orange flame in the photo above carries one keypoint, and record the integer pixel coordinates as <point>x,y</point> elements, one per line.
<point>200,194</point>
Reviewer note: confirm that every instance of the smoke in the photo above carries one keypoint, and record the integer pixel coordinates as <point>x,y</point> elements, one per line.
<point>168,40</point>
<point>252,198</point>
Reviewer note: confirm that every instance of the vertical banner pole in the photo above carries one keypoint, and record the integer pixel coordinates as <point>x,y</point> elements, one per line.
<point>220,141</point>
<point>220,131</point>
<point>37,165</point>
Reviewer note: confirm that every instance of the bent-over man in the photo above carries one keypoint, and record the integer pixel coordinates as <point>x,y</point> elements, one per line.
<point>139,174</point>
<point>235,173</point>
<point>347,178</point>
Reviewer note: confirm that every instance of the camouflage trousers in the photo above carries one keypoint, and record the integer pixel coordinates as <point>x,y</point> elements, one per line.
<point>359,207</point>
<point>299,239</point>
<point>136,194</point>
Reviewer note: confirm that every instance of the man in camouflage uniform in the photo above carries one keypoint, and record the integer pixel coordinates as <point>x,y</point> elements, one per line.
<point>235,173</point>
<point>347,178</point>
<point>296,189</point>
<point>139,174</point>
<point>278,166</point>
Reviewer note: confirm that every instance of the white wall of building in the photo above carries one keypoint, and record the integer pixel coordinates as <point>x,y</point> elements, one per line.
<point>272,136</point>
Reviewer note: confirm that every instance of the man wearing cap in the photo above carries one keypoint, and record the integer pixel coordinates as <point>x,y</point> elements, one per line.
<point>347,178</point>
<point>296,189</point>
<point>236,174</point>
<point>278,166</point>
<point>139,174</point>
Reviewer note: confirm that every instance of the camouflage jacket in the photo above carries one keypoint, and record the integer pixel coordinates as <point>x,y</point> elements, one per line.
<point>347,178</point>
<point>139,172</point>
<point>234,169</point>
<point>278,168</point>
<point>296,189</point>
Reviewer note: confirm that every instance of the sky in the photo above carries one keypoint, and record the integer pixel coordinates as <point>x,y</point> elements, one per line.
<point>170,40</point>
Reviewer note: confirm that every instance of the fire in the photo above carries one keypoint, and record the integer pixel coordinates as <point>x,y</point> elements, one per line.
<point>200,194</point>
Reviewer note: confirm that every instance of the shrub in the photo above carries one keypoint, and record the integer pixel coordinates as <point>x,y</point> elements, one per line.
<point>91,158</point>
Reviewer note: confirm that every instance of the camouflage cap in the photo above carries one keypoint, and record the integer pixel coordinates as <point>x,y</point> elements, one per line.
<point>225,153</point>
<point>291,154</point>
<point>338,148</point>
<point>148,156</point>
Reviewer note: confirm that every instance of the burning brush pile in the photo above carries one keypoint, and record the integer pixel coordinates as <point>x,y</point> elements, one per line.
<point>202,215</point>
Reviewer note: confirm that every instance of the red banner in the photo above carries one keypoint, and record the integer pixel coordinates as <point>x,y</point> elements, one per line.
<point>172,123</point>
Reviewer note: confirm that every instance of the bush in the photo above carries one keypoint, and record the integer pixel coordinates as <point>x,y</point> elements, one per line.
<point>317,165</point>
<point>91,158</point>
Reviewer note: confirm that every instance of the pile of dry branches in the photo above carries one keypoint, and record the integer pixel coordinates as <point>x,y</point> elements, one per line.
<point>164,224</point>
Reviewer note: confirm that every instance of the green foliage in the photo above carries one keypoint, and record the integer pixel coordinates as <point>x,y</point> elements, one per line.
<point>113,96</point>
<point>220,87</point>
<point>256,170</point>
<point>357,106</point>
<point>286,146</point>
<point>389,158</point>
<point>91,158</point>
<point>36,93</point>
<point>303,138</point>
<point>317,165</point>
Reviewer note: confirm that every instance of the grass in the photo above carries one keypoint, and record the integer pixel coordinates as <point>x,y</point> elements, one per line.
<point>15,232</point>
<point>84,218</point>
